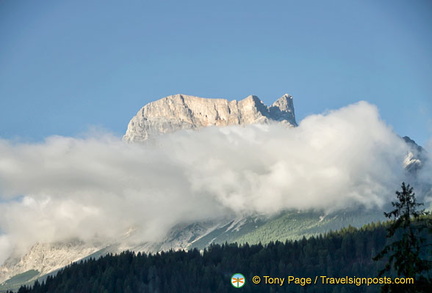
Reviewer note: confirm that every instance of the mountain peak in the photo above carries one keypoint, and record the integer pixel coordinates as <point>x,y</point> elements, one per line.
<point>284,99</point>
<point>283,108</point>
<point>180,111</point>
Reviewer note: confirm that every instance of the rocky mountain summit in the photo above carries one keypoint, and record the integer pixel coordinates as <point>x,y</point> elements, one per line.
<point>178,112</point>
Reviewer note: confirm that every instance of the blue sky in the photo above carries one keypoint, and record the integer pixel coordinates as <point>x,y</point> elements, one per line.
<point>66,66</point>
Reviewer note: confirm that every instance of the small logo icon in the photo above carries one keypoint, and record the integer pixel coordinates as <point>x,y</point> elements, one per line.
<point>238,280</point>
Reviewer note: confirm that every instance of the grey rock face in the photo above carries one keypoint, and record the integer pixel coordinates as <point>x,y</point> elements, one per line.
<point>178,112</point>
<point>45,258</point>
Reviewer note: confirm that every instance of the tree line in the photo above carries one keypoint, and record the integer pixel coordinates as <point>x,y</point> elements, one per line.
<point>398,248</point>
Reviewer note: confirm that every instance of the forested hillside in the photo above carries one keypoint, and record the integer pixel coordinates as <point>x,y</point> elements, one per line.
<point>347,253</point>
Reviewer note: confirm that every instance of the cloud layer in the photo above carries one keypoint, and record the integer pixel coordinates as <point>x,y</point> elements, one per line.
<point>99,187</point>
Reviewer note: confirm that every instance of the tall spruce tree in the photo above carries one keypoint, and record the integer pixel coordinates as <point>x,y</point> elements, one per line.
<point>407,255</point>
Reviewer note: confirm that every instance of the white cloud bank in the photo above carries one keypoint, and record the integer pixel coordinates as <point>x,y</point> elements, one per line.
<point>101,186</point>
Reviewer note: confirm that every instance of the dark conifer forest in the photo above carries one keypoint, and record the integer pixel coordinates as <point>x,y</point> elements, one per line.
<point>346,253</point>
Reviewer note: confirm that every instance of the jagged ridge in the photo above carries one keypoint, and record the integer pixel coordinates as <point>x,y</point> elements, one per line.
<point>178,112</point>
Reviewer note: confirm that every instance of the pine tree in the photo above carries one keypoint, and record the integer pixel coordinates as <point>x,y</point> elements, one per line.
<point>405,252</point>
